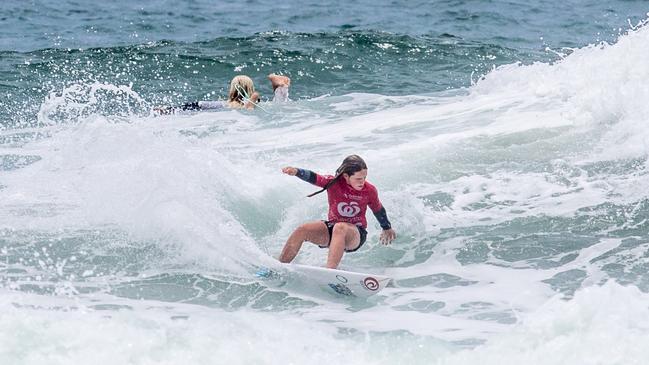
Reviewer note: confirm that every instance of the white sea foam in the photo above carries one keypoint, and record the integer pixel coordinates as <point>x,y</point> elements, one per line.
<point>600,325</point>
<point>528,143</point>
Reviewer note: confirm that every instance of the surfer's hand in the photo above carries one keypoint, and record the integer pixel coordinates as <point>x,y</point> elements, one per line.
<point>289,170</point>
<point>251,102</point>
<point>387,236</point>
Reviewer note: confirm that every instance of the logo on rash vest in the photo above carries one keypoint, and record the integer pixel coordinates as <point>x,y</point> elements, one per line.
<point>348,209</point>
<point>353,197</point>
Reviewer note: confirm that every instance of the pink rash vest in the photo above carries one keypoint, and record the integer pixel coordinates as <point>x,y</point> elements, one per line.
<point>347,204</point>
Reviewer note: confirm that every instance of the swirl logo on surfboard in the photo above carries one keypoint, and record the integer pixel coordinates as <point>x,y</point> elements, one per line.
<point>348,209</point>
<point>371,283</point>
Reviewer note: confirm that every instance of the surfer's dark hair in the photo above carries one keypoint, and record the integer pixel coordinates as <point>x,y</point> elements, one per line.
<point>351,165</point>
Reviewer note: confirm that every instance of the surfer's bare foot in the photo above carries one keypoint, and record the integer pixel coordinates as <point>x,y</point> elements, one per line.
<point>279,80</point>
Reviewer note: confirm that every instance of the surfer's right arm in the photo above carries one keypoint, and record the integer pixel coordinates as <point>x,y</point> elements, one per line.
<point>306,175</point>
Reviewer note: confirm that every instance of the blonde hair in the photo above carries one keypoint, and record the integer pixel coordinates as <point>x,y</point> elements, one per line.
<point>241,89</point>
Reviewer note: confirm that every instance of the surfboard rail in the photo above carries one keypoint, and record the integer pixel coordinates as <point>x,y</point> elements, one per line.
<point>334,281</point>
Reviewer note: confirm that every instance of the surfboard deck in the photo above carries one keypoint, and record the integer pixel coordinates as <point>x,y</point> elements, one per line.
<point>333,281</point>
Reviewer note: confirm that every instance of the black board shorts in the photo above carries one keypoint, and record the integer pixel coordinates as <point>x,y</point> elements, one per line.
<point>361,231</point>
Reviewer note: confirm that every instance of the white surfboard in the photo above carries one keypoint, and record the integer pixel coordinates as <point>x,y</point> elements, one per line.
<point>333,281</point>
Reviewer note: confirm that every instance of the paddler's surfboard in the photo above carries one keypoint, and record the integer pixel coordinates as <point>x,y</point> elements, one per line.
<point>333,281</point>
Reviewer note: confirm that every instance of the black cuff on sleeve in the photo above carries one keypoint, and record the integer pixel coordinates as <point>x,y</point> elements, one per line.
<point>306,175</point>
<point>382,217</point>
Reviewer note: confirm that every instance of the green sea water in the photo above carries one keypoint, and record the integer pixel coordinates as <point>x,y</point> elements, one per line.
<point>508,142</point>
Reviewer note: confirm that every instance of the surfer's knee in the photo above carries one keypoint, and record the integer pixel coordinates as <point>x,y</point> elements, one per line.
<point>341,229</point>
<point>306,231</point>
<point>302,230</point>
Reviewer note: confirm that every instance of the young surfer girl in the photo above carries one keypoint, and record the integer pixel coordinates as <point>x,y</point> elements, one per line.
<point>242,95</point>
<point>349,195</point>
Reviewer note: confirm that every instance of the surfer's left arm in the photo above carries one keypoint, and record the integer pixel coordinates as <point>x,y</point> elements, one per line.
<point>388,234</point>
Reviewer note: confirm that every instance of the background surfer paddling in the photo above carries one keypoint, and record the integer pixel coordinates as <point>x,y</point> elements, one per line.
<point>242,95</point>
